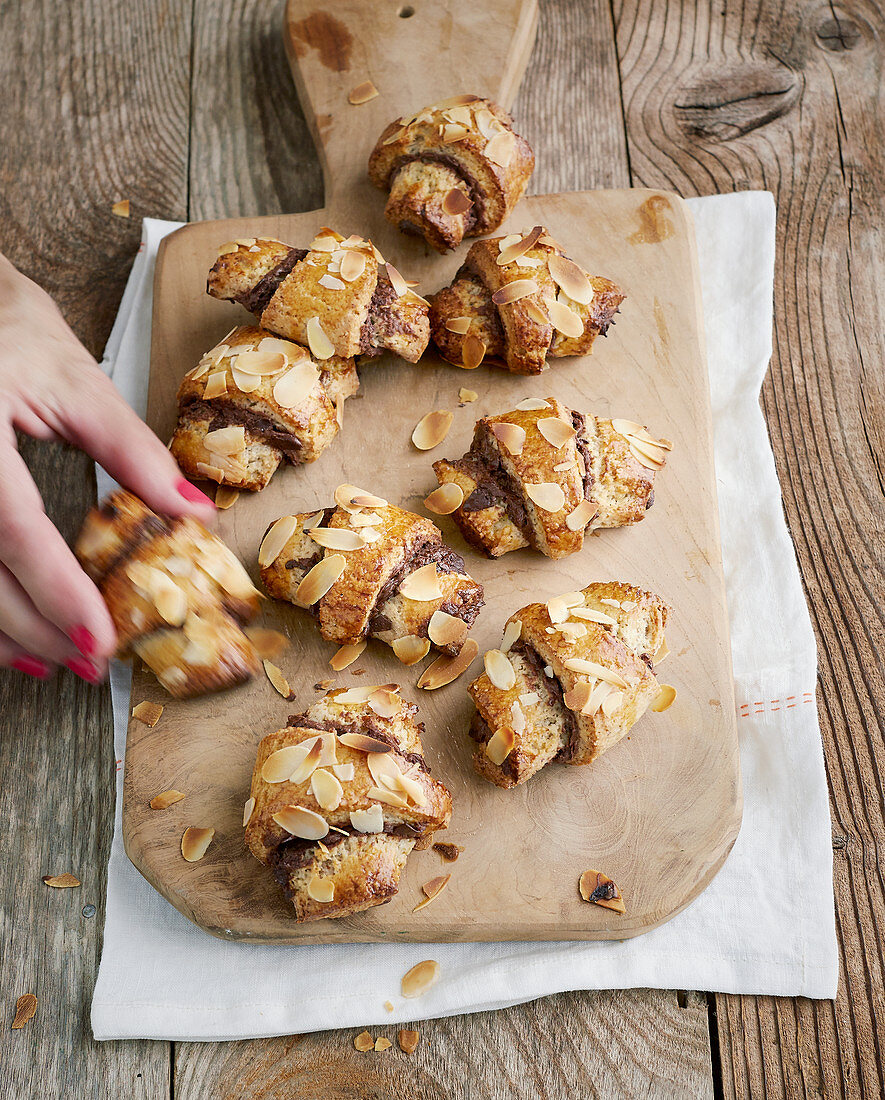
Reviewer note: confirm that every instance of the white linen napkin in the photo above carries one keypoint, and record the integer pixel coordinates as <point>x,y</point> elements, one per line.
<point>765,925</point>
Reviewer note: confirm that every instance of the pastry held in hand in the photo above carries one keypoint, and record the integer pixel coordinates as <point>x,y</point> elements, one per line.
<point>367,569</point>
<point>454,170</point>
<point>517,300</point>
<point>254,401</point>
<point>542,475</point>
<point>571,678</point>
<point>340,798</point>
<point>338,297</point>
<point>176,593</point>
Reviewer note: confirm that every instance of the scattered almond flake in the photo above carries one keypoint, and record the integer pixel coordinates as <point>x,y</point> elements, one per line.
<point>368,821</point>
<point>121,208</point>
<point>420,978</point>
<point>653,458</point>
<point>25,1008</point>
<point>321,889</point>
<point>593,616</point>
<point>330,282</point>
<point>592,668</point>
<point>467,396</point>
<point>446,499</point>
<point>473,351</point>
<point>171,602</point>
<point>432,890</point>
<point>499,669</point>
<point>500,745</point>
<point>599,888</point>
<point>267,643</point>
<point>337,538</point>
<point>512,633</point>
<point>665,698</point>
<point>485,122</point>
<point>422,584</point>
<point>563,319</point>
<point>517,717</point>
<point>628,605</point>
<point>279,681</point>
<point>499,149</point>
<point>556,431</point>
<point>275,345</point>
<point>324,242</point>
<point>519,247</point>
<point>326,789</point>
<point>356,695</point>
<point>514,291</point>
<point>411,649</point>
<point>546,495</point>
<point>460,325</point>
<point>363,742</point>
<point>301,822</point>
<point>230,246</point>
<point>396,281</point>
<point>225,496</point>
<point>61,882</point>
<point>310,752</point>
<point>579,517</point>
<point>321,347</point>
<point>570,631</point>
<point>353,265</point>
<point>505,242</point>
<point>388,1005</point>
<point>451,133</point>
<point>265,361</point>
<point>576,699</point>
<point>216,385</point>
<point>294,387</point>
<point>432,429</point>
<point>461,100</point>
<point>382,1044</point>
<point>227,441</point>
<point>351,498</point>
<point>320,579</point>
<point>662,652</point>
<point>391,798</point>
<point>344,772</point>
<point>384,703</point>
<point>446,630</point>
<point>248,810</point>
<point>194,843</point>
<point>533,404</point>
<point>362,93</point>
<point>510,436</point>
<point>612,702</point>
<point>364,1042</point>
<point>165,799</point>
<point>570,278</point>
<point>408,1040</point>
<point>212,473</point>
<point>280,764</point>
<point>447,851</point>
<point>323,685</point>
<point>530,698</point>
<point>610,602</point>
<point>558,607</point>
<point>456,202</point>
<point>365,519</point>
<point>346,655</point>
<point>147,712</point>
<point>561,467</point>
<point>245,383</point>
<point>445,670</point>
<point>246,242</point>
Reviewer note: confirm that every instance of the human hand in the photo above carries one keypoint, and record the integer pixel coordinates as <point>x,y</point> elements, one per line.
<point>51,388</point>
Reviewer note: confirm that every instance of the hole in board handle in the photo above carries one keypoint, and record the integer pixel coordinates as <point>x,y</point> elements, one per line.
<point>406,12</point>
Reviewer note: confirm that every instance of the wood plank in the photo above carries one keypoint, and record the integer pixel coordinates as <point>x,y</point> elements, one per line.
<point>97,113</point>
<point>788,98</point>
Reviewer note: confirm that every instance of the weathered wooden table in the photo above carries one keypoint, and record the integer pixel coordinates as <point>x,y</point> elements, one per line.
<point>187,108</point>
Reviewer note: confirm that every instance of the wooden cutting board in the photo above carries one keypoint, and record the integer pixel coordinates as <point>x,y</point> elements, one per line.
<point>661,810</point>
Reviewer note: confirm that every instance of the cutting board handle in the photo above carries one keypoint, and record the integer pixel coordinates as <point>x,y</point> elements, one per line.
<point>414,53</point>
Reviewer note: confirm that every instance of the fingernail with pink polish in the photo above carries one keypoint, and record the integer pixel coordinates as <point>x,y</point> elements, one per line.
<point>83,640</point>
<point>192,493</point>
<point>86,670</point>
<point>31,666</point>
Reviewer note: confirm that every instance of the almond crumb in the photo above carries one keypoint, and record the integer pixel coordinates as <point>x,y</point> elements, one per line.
<point>147,712</point>
<point>389,1006</point>
<point>382,1044</point>
<point>408,1040</point>
<point>121,208</point>
<point>61,881</point>
<point>364,1042</point>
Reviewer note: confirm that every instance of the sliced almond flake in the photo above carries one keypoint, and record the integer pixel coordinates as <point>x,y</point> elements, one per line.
<point>385,703</point>
<point>246,242</point>
<point>337,538</point>
<point>599,888</point>
<point>382,1044</point>
<point>353,265</point>
<point>147,712</point>
<point>411,649</point>
<point>460,325</point>
<point>573,281</point>
<point>576,698</point>
<point>328,750</point>
<point>301,822</point>
<point>320,579</point>
<point>274,542</point>
<point>294,387</point>
<point>420,978</point>
<point>461,100</point>
<point>171,602</point>
<point>556,431</point>
<point>452,132</point>
<point>216,385</point>
<point>353,695</point>
<point>422,584</point>
<point>446,499</point>
<point>571,631</point>
<point>612,702</point>
<point>592,668</point>
<point>321,347</point>
<point>339,413</point>
<point>610,602</point>
<point>432,429</point>
<point>517,717</point>
<point>245,383</point>
<point>532,404</point>
<point>445,670</point>
<point>529,699</point>
<point>563,319</point>
<point>597,697</point>
<point>346,655</point>
<point>593,616</point>
<point>561,467</point>
<point>275,345</point>
<point>662,652</point>
<point>121,208</point>
<point>194,843</point>
<point>579,517</point>
<point>25,1009</point>
<point>628,605</point>
<point>365,519</point>
<point>664,699</point>
<point>330,282</point>
<point>165,799</point>
<point>530,261</point>
<point>248,810</point>
<point>326,789</point>
<point>371,534</point>
<point>432,889</point>
<point>364,1042</point>
<point>499,669</point>
<point>362,93</point>
<point>505,242</point>
<point>321,890</point>
<point>390,798</point>
<point>558,607</point>
<point>351,498</point>
<point>363,742</point>
<point>456,202</point>
<point>510,436</point>
<point>519,248</point>
<point>264,361</point>
<point>500,745</point>
<point>344,772</point>
<point>500,148</point>
<point>61,882</point>
<point>547,495</point>
<point>230,246</point>
<point>279,681</point>
<point>368,821</point>
<point>514,291</point>
<point>282,763</point>
<point>227,441</point>
<point>653,458</point>
<point>446,630</point>
<point>396,281</point>
<point>461,114</point>
<point>473,351</point>
<point>226,497</point>
<point>485,121</point>
<point>467,396</point>
<point>512,633</point>
<point>323,242</point>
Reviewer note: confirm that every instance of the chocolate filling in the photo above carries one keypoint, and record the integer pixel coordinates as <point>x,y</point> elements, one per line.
<point>495,486</point>
<point>381,321</point>
<point>476,214</point>
<point>579,423</point>
<point>222,413</point>
<point>365,725</point>
<point>258,298</point>
<point>151,527</point>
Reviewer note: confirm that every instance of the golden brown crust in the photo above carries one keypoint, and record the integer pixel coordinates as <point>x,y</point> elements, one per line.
<point>523,333</point>
<point>272,431</point>
<point>176,594</point>
<point>541,725</point>
<point>362,868</point>
<point>366,598</point>
<point>555,488</point>
<point>467,146</point>
<point>339,291</point>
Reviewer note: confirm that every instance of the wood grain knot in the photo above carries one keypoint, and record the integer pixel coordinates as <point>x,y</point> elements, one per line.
<point>732,101</point>
<point>838,34</point>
